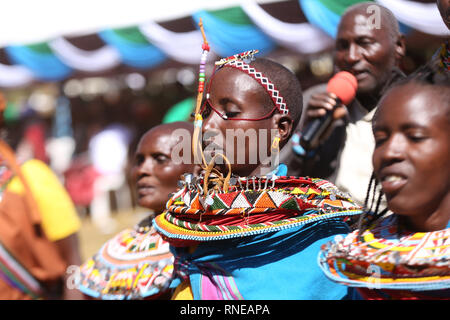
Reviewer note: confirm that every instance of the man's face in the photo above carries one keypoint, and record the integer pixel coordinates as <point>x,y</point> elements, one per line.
<point>365,51</point>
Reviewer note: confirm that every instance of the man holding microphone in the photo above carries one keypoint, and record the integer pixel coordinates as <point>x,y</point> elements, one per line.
<point>371,52</point>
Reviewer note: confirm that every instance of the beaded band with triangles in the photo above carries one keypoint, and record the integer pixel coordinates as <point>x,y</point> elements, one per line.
<point>250,206</point>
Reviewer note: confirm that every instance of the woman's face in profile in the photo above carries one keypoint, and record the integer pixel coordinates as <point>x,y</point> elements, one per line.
<point>237,95</point>
<point>154,173</point>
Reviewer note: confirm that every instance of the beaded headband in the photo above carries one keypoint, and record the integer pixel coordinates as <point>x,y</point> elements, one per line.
<point>240,62</point>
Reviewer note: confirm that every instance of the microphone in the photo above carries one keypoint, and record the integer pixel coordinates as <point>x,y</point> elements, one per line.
<point>343,84</point>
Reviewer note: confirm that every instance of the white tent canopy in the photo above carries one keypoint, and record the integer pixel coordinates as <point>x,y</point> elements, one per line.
<point>30,22</point>
<point>25,21</point>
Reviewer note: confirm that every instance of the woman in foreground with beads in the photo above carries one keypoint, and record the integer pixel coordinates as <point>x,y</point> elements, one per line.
<point>137,263</point>
<point>403,253</point>
<point>236,231</point>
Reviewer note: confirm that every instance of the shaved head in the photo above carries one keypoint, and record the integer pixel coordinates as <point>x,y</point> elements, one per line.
<point>388,20</point>
<point>369,45</point>
<point>286,82</point>
<point>154,172</point>
<point>444,10</point>
<point>168,128</point>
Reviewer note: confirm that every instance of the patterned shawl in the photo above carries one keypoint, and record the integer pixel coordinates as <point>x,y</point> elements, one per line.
<point>135,264</point>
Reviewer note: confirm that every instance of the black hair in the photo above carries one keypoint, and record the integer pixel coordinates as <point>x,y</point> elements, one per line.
<point>428,75</point>
<point>371,209</point>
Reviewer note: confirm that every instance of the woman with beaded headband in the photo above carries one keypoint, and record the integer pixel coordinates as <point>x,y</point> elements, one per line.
<point>237,235</point>
<point>403,253</point>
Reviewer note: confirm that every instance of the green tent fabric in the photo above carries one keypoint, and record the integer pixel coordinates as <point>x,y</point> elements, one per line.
<point>41,47</point>
<point>180,111</point>
<point>234,15</point>
<point>340,6</point>
<point>131,34</point>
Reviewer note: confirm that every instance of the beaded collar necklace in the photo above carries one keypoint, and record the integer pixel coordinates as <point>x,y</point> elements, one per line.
<point>249,206</point>
<point>385,258</point>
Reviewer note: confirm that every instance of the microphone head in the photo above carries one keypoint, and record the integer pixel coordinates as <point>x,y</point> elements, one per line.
<point>344,85</point>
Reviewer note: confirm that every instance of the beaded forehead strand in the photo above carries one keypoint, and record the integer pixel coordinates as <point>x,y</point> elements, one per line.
<point>202,69</point>
<point>211,173</point>
<point>198,121</point>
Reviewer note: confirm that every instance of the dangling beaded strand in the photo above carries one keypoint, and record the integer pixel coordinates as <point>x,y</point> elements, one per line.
<point>198,121</point>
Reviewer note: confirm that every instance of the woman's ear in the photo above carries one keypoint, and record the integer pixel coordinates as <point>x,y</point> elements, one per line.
<point>197,170</point>
<point>284,125</point>
<point>400,48</point>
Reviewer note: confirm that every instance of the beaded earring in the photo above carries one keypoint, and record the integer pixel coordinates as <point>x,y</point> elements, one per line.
<point>275,153</point>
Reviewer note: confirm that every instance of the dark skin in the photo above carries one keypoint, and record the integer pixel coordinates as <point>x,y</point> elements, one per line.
<point>412,154</point>
<point>154,173</point>
<point>238,95</point>
<point>368,53</point>
<point>444,10</point>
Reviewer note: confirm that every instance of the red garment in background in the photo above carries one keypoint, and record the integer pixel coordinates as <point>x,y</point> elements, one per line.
<point>35,136</point>
<point>79,182</point>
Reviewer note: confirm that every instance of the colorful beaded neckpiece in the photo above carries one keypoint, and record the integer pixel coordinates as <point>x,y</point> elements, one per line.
<point>383,258</point>
<point>444,55</point>
<point>250,206</point>
<point>135,264</point>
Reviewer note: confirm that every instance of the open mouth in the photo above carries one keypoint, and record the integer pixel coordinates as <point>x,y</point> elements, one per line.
<point>392,183</point>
